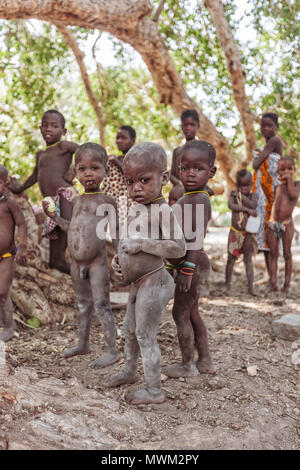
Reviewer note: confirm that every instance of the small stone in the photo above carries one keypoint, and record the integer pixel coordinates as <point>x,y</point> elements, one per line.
<point>296,357</point>
<point>287,327</point>
<point>296,344</point>
<point>163,377</point>
<point>181,379</point>
<point>252,371</point>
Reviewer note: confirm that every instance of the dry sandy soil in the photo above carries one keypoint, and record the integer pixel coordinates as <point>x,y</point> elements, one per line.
<point>47,402</point>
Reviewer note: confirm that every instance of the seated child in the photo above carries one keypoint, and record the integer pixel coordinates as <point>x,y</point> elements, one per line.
<point>114,183</point>
<point>281,222</point>
<point>140,259</point>
<point>196,168</point>
<point>53,174</point>
<point>242,202</point>
<point>10,217</point>
<point>89,269</point>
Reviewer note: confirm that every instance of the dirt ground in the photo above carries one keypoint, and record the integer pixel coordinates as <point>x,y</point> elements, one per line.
<point>47,402</point>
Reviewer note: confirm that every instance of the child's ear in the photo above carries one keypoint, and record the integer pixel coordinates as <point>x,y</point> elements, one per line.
<point>64,131</point>
<point>212,171</point>
<point>165,177</point>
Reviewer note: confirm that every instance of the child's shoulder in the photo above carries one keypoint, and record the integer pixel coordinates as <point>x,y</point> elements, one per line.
<point>67,146</point>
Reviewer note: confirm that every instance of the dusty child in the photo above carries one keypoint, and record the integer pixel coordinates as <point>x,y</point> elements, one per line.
<point>10,218</point>
<point>140,260</point>
<point>196,168</point>
<point>242,203</point>
<point>53,174</point>
<point>281,224</point>
<point>89,270</point>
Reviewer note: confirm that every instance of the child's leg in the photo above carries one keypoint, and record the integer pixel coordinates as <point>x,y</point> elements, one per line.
<point>58,247</point>
<point>153,294</point>
<point>99,281</point>
<point>131,349</point>
<point>7,268</point>
<point>85,308</point>
<point>229,270</point>
<point>247,254</point>
<point>287,239</point>
<point>204,363</point>
<point>273,242</point>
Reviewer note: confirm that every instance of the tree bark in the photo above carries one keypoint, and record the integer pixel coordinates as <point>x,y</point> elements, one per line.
<point>79,56</point>
<point>128,20</point>
<point>235,68</point>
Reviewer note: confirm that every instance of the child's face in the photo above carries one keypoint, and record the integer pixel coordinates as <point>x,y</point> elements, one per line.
<point>124,141</point>
<point>52,129</point>
<point>143,182</point>
<point>268,127</point>
<point>286,168</point>
<point>195,169</point>
<point>189,127</point>
<point>245,185</point>
<point>90,171</point>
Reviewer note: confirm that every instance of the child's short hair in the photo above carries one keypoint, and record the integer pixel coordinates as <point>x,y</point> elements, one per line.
<point>154,153</point>
<point>272,116</point>
<point>192,113</point>
<point>288,158</point>
<point>96,149</point>
<point>60,115</point>
<point>3,172</point>
<point>202,146</point>
<point>241,174</point>
<point>130,131</point>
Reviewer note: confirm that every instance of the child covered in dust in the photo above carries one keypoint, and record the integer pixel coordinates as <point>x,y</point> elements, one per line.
<point>140,260</point>
<point>242,203</point>
<point>87,251</point>
<point>10,218</point>
<point>196,168</point>
<point>53,174</point>
<point>281,224</point>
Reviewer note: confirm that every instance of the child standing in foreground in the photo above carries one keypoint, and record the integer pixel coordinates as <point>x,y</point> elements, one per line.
<point>10,217</point>
<point>242,203</point>
<point>89,269</point>
<point>53,174</point>
<point>140,259</point>
<point>281,222</point>
<point>196,168</point>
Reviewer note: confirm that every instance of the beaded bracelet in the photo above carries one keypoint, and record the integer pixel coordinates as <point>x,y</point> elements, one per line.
<point>170,267</point>
<point>187,271</point>
<point>188,264</point>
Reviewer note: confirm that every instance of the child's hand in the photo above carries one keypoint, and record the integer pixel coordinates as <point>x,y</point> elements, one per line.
<point>21,255</point>
<point>116,267</point>
<point>13,185</point>
<point>252,212</point>
<point>48,213</point>
<point>183,282</point>
<point>131,247</point>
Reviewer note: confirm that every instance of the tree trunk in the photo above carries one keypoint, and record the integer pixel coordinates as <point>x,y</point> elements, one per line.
<point>235,68</point>
<point>128,20</point>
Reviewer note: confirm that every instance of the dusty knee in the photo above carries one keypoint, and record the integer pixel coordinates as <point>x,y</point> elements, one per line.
<point>287,255</point>
<point>101,306</point>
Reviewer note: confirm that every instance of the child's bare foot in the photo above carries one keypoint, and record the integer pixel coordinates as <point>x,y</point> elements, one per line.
<point>274,288</point>
<point>143,397</point>
<point>251,292</point>
<point>6,334</point>
<point>106,359</point>
<point>205,366</point>
<point>75,351</point>
<point>286,288</point>
<point>179,370</point>
<point>227,288</point>
<point>122,378</point>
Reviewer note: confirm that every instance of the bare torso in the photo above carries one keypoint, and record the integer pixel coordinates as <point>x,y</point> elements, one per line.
<point>283,206</point>
<point>7,228</point>
<point>52,165</point>
<point>83,242</point>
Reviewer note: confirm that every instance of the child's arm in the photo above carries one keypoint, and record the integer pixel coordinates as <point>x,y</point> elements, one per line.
<point>241,207</point>
<point>293,188</point>
<point>273,144</point>
<point>62,223</point>
<point>21,224</point>
<point>17,189</point>
<point>71,147</point>
<point>173,171</point>
<point>173,246</point>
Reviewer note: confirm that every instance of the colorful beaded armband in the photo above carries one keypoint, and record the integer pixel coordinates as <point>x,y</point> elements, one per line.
<point>187,271</point>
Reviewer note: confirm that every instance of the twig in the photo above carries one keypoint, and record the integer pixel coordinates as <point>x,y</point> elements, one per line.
<point>158,11</point>
<point>290,416</point>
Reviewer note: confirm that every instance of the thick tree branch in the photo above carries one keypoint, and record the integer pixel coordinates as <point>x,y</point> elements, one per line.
<point>79,55</point>
<point>235,69</point>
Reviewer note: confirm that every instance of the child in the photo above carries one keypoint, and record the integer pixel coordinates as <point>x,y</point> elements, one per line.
<point>140,259</point>
<point>265,177</point>
<point>243,203</point>
<point>189,125</point>
<point>196,168</point>
<point>10,217</point>
<point>53,174</point>
<point>281,222</point>
<point>89,269</point>
<point>114,183</point>
<point>175,194</point>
